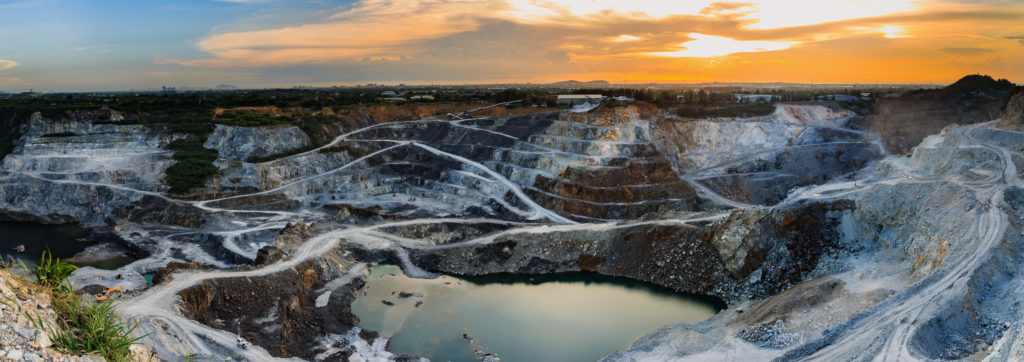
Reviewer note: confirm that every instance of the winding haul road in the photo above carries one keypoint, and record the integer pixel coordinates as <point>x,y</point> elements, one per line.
<point>886,328</point>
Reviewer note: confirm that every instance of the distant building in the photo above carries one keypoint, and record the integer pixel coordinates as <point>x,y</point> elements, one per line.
<point>422,98</point>
<point>575,99</point>
<point>388,94</point>
<point>753,98</point>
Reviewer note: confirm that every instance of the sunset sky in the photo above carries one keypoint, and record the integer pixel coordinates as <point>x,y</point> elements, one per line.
<point>54,45</point>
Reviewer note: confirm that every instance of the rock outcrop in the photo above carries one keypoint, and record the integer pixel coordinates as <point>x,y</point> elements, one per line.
<point>903,122</point>
<point>1013,116</point>
<point>242,143</point>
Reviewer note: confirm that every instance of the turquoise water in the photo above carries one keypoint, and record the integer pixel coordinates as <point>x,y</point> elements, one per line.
<point>574,317</point>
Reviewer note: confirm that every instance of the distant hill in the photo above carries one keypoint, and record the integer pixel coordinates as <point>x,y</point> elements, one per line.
<point>225,87</point>
<point>578,84</point>
<point>905,121</point>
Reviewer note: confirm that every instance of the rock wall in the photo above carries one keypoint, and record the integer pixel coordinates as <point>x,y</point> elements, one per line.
<point>756,252</point>
<point>1013,116</point>
<point>241,143</point>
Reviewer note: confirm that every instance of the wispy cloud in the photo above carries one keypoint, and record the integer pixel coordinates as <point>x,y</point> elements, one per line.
<point>7,64</point>
<point>10,81</point>
<point>968,51</point>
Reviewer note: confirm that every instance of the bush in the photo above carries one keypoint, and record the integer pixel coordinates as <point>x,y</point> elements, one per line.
<point>192,128</point>
<point>194,166</point>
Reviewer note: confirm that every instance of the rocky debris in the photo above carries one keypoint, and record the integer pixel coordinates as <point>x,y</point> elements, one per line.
<point>292,308</point>
<point>22,340</point>
<point>268,255</point>
<point>769,335</point>
<point>241,143</point>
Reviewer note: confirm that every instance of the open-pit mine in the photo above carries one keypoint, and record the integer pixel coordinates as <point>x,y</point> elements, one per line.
<point>620,233</point>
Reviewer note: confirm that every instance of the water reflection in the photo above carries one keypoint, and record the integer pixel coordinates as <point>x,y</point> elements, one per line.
<point>573,317</point>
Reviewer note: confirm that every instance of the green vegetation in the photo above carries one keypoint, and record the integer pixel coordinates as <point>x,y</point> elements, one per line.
<point>194,166</point>
<point>84,328</point>
<point>59,134</point>
<point>53,273</point>
<point>10,128</point>
<point>246,119</point>
<point>81,327</point>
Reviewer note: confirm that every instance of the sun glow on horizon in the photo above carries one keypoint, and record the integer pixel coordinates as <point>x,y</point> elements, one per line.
<point>707,46</point>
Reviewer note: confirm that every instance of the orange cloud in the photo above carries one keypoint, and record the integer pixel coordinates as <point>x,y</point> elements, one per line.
<point>654,39</point>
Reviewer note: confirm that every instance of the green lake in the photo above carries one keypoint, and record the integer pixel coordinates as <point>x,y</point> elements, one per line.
<point>562,317</point>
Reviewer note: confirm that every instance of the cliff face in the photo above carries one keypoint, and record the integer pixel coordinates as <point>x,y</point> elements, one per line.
<point>241,143</point>
<point>903,122</point>
<point>758,160</point>
<point>1013,116</point>
<point>61,170</point>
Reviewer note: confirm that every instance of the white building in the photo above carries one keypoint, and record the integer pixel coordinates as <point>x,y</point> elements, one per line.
<point>575,99</point>
<point>753,98</point>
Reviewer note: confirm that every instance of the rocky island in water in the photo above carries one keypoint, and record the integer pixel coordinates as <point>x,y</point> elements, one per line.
<point>869,228</point>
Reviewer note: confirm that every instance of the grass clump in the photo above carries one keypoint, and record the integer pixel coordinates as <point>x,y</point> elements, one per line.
<point>194,166</point>
<point>81,327</point>
<point>53,273</point>
<point>84,328</point>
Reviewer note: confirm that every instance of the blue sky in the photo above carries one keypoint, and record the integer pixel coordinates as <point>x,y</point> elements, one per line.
<point>58,45</point>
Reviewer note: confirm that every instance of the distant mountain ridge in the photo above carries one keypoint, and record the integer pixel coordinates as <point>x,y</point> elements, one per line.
<point>578,84</point>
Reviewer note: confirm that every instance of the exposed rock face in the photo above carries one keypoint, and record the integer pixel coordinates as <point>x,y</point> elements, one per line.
<point>923,254</point>
<point>923,251</point>
<point>289,312</point>
<point>1013,115</point>
<point>758,160</point>
<point>903,122</point>
<point>241,143</point>
<point>59,179</point>
<point>755,252</point>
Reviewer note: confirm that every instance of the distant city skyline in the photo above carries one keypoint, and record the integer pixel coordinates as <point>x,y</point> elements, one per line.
<point>95,45</point>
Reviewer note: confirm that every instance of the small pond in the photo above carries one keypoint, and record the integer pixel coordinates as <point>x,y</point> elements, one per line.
<point>63,241</point>
<point>562,317</point>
